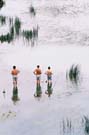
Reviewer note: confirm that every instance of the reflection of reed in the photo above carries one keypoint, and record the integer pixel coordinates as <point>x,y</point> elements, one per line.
<point>17,26</point>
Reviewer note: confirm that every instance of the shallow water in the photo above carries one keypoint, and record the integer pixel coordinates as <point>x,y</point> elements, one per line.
<point>63,41</point>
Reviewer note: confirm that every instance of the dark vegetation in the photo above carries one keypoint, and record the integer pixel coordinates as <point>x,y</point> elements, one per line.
<point>15,31</point>
<point>73,73</point>
<point>2,3</point>
<point>2,20</point>
<point>32,10</point>
<point>86,125</point>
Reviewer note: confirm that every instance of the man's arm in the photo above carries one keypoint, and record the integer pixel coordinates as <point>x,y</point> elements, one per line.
<point>34,72</point>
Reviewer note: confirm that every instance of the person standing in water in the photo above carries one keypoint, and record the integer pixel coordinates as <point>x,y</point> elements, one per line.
<point>49,74</point>
<point>15,73</point>
<point>49,81</point>
<point>38,73</point>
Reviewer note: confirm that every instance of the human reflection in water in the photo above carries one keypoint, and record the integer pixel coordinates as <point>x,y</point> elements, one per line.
<point>49,74</point>
<point>49,88</point>
<point>38,91</point>
<point>15,73</point>
<point>15,97</point>
<point>38,73</point>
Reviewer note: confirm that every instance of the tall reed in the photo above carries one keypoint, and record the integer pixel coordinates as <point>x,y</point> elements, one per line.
<point>27,34</point>
<point>32,10</point>
<point>6,38</point>
<point>2,3</point>
<point>86,124</point>
<point>17,26</point>
<point>73,73</point>
<point>2,20</point>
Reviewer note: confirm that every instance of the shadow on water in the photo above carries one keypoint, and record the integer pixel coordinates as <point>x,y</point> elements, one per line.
<point>15,97</point>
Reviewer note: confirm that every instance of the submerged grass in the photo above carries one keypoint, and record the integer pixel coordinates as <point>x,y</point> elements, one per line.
<point>35,32</point>
<point>2,3</point>
<point>12,31</point>
<point>2,20</point>
<point>73,73</point>
<point>30,35</point>
<point>32,10</point>
<point>15,31</point>
<point>10,21</point>
<point>27,34</point>
<point>66,126</point>
<point>86,124</point>
<point>17,26</point>
<point>6,38</point>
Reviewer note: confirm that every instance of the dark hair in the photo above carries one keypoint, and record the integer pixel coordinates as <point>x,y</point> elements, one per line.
<point>14,67</point>
<point>49,67</point>
<point>38,66</point>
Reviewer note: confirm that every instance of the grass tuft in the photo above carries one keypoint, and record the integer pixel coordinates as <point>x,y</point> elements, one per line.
<point>32,10</point>
<point>2,3</point>
<point>27,34</point>
<point>6,38</point>
<point>17,26</point>
<point>86,124</point>
<point>73,73</point>
<point>2,20</point>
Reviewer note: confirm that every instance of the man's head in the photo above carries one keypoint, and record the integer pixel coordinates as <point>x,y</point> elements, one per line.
<point>49,67</point>
<point>38,66</point>
<point>14,67</point>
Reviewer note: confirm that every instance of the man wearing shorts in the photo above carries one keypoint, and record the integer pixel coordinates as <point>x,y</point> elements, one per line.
<point>49,74</point>
<point>38,73</point>
<point>15,73</point>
